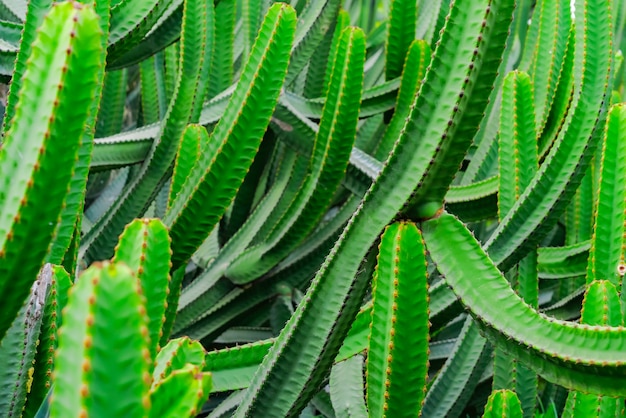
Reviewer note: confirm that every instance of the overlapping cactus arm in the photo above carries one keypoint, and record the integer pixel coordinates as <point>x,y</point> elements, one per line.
<point>546,198</point>
<point>251,16</point>
<point>40,148</point>
<point>100,241</point>
<point>102,362</point>
<point>175,355</point>
<point>576,356</point>
<point>152,92</point>
<point>503,404</point>
<point>468,105</point>
<point>322,319</point>
<point>71,215</point>
<point>518,146</point>
<point>562,100</point>
<point>397,359</point>
<point>199,293</point>
<point>213,182</point>
<point>231,368</point>
<point>144,247</point>
<point>18,347</point>
<point>606,245</point>
<point>181,394</point>
<point>331,153</point>
<point>400,33</point>
<point>56,299</point>
<point>601,306</point>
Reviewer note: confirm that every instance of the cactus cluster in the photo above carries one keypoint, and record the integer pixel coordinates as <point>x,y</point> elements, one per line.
<point>313,208</point>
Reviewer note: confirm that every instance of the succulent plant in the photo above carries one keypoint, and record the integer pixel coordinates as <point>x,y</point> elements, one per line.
<point>328,208</point>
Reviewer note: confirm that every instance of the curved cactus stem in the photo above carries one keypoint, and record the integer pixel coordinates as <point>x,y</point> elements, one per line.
<point>577,356</point>
<point>213,182</point>
<point>400,34</point>
<point>333,144</point>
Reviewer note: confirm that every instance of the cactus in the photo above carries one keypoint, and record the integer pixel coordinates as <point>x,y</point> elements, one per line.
<point>321,208</point>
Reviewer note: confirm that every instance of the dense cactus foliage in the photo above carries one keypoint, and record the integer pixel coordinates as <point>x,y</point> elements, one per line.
<point>327,208</point>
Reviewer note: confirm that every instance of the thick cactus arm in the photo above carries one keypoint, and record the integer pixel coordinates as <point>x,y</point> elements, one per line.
<point>181,394</point>
<point>581,357</point>
<point>40,148</point>
<point>102,362</point>
<point>144,247</point>
<point>400,34</point>
<point>175,355</point>
<point>397,359</point>
<point>601,306</point>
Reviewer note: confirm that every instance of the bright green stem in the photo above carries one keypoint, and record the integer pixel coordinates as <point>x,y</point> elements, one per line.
<point>144,247</point>
<point>102,362</point>
<point>222,63</point>
<point>214,181</point>
<point>331,152</point>
<point>417,60</point>
<point>181,394</point>
<point>72,214</point>
<point>175,355</point>
<point>518,163</point>
<point>40,149</point>
<point>397,360</point>
<point>187,157</point>
<point>503,404</point>
<point>37,9</point>
<point>606,243</point>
